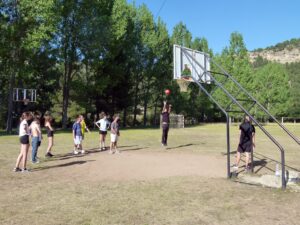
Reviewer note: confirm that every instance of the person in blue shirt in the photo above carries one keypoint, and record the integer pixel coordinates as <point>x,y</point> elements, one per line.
<point>77,135</point>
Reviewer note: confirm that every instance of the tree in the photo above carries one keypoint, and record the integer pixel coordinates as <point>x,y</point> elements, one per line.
<point>25,25</point>
<point>272,85</point>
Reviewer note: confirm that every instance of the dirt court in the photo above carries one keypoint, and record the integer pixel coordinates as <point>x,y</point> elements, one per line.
<point>133,164</point>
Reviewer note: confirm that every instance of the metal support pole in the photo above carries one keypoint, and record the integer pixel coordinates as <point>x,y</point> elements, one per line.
<point>283,180</point>
<point>228,146</point>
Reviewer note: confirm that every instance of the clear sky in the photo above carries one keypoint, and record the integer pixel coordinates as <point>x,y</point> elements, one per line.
<point>261,22</point>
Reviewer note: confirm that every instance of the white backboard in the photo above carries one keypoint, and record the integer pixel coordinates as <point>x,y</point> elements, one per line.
<point>198,63</point>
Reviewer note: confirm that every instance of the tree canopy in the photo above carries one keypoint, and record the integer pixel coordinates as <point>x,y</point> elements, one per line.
<point>88,56</point>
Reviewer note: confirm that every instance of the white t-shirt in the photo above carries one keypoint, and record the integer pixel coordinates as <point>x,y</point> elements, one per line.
<point>104,124</point>
<point>23,130</point>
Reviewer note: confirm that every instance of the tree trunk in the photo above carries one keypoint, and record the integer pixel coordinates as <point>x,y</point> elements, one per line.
<point>124,117</point>
<point>146,94</point>
<point>135,104</point>
<point>10,103</point>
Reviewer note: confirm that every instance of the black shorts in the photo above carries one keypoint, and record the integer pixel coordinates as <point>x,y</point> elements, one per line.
<point>102,132</point>
<point>50,133</point>
<point>24,140</point>
<point>245,147</point>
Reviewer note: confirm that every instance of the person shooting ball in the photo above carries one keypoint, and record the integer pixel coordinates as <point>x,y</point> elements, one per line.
<point>165,121</point>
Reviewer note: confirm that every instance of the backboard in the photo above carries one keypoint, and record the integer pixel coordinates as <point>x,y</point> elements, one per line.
<point>191,65</point>
<point>21,94</point>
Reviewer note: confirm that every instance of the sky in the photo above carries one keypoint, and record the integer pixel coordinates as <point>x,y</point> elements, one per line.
<point>261,22</point>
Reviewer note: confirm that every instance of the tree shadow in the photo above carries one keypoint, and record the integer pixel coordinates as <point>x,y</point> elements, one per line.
<point>62,165</point>
<point>180,146</point>
<point>231,153</point>
<point>260,156</point>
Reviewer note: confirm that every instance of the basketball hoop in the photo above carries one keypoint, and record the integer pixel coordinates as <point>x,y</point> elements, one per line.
<point>26,101</point>
<point>183,84</point>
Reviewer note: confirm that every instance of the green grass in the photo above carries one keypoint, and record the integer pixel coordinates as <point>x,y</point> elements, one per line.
<point>53,196</point>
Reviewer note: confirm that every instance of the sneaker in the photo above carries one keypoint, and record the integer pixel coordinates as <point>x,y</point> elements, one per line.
<point>17,169</point>
<point>35,162</point>
<point>75,152</point>
<point>25,170</point>
<point>248,169</point>
<point>48,154</point>
<point>235,167</point>
<point>82,152</point>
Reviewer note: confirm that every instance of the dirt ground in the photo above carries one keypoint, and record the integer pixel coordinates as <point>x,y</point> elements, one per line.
<point>132,164</point>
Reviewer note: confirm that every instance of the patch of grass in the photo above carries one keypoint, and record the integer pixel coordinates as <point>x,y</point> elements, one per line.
<point>52,196</point>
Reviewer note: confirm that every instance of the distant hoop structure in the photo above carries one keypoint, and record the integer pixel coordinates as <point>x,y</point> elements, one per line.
<point>24,95</point>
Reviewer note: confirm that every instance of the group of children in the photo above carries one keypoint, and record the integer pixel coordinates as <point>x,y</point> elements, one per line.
<point>34,131</point>
<point>79,128</point>
<point>30,127</point>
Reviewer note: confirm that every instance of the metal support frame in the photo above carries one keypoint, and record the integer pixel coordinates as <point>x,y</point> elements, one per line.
<point>244,110</point>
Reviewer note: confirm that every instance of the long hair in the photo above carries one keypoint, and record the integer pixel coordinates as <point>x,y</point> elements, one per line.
<point>25,116</point>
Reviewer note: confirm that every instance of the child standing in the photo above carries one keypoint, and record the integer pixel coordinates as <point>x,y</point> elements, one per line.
<point>36,137</point>
<point>24,140</point>
<point>246,143</point>
<point>165,123</point>
<point>83,129</point>
<point>50,134</point>
<point>115,133</point>
<point>103,125</point>
<point>77,135</point>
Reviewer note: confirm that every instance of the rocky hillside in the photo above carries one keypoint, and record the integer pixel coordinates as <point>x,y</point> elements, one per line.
<point>285,52</point>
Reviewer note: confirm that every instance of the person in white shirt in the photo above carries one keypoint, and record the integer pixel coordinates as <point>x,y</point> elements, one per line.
<point>24,140</point>
<point>103,125</point>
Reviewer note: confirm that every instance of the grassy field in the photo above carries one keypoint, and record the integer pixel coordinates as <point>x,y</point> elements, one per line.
<point>184,183</point>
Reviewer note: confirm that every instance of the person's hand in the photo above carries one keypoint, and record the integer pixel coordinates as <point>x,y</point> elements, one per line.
<point>253,145</point>
<point>165,102</point>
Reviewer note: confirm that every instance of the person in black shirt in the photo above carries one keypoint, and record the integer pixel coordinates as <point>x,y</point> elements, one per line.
<point>247,142</point>
<point>165,123</point>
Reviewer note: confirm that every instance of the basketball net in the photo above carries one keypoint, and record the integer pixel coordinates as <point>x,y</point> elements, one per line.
<point>183,84</point>
<point>26,101</point>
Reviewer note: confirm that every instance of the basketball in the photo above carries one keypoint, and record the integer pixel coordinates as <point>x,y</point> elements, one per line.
<point>167,92</point>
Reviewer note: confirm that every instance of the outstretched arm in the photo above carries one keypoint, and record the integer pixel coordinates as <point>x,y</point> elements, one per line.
<point>165,106</point>
<point>169,110</point>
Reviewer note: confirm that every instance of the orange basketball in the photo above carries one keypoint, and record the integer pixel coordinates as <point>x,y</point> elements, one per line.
<point>167,92</point>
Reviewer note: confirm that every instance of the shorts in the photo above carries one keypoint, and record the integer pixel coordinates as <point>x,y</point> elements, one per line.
<point>50,133</point>
<point>113,137</point>
<point>77,140</point>
<point>245,147</point>
<point>102,132</point>
<point>24,140</point>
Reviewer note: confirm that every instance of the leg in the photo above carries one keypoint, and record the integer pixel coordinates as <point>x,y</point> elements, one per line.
<point>25,153</point>
<point>111,147</point>
<point>166,134</point>
<point>50,144</point>
<point>103,140</point>
<point>116,148</point>
<point>20,156</point>
<point>238,158</point>
<point>34,144</point>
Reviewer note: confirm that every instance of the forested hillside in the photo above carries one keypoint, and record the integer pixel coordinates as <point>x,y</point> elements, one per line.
<point>90,56</point>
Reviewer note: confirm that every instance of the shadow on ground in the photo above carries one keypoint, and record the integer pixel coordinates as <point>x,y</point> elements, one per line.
<point>62,165</point>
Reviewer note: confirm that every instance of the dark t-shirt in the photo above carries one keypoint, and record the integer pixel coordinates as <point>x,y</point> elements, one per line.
<point>247,133</point>
<point>165,117</point>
